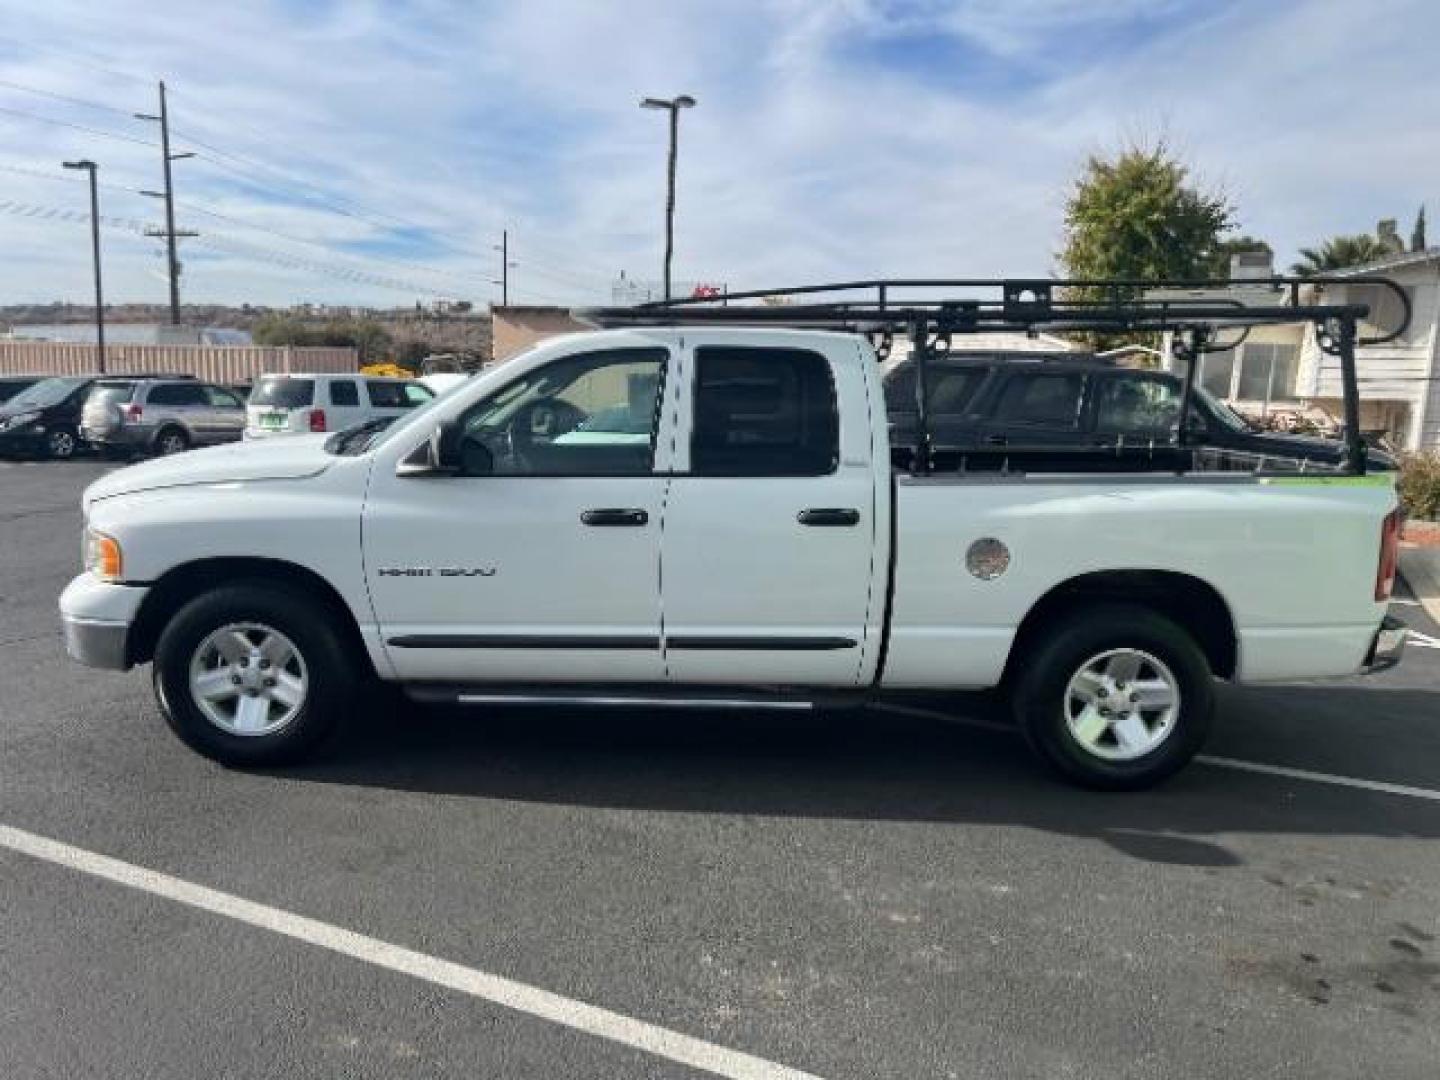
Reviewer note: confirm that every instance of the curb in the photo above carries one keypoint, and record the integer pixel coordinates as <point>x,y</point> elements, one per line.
<point>1420,567</point>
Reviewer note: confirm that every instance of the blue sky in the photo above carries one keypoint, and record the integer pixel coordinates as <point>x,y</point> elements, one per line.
<point>371,152</point>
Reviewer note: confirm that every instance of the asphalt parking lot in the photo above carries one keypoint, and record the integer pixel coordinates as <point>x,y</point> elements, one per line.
<point>847,894</point>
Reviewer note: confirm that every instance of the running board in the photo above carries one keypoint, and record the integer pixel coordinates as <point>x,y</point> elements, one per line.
<point>618,696</point>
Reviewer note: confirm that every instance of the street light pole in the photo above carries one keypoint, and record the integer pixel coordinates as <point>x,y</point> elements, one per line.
<point>91,168</point>
<point>673,107</point>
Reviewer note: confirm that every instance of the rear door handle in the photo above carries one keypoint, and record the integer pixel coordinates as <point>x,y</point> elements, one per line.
<point>832,517</point>
<point>615,517</point>
<point>996,440</point>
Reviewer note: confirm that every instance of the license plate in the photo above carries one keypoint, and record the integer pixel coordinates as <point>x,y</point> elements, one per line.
<point>272,421</point>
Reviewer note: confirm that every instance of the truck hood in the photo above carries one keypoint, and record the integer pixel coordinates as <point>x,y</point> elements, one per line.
<point>270,459</point>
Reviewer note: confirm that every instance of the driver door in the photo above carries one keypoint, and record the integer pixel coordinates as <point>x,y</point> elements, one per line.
<point>542,560</point>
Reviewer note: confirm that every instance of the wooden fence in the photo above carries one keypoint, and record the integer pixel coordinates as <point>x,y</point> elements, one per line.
<point>213,363</point>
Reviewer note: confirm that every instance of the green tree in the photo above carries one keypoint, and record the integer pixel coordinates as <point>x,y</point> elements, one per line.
<point>1340,253</point>
<point>278,329</point>
<point>1138,215</point>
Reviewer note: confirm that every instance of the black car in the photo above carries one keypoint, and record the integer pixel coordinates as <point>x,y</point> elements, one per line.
<point>44,418</point>
<point>10,385</point>
<point>987,408</point>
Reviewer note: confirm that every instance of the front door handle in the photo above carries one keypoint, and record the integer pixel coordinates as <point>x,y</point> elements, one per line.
<point>832,517</point>
<point>615,517</point>
<point>997,440</point>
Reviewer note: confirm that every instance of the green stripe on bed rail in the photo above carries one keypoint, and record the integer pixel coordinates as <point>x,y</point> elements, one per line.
<point>1376,479</point>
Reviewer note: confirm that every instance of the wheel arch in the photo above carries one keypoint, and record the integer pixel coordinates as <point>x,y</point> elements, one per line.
<point>183,583</point>
<point>1190,602</point>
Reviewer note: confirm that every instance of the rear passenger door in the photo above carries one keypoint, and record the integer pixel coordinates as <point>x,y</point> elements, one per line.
<point>182,403</point>
<point>769,527</point>
<point>1037,408</point>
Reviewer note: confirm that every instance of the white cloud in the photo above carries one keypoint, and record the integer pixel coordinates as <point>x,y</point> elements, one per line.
<point>808,157</point>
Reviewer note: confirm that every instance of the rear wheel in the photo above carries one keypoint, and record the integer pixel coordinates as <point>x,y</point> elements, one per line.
<point>61,444</point>
<point>171,440</point>
<point>1118,697</point>
<point>250,675</point>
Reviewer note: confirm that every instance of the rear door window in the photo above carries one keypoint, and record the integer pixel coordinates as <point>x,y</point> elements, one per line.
<point>1041,399</point>
<point>283,393</point>
<point>344,393</point>
<point>183,395</point>
<point>763,412</point>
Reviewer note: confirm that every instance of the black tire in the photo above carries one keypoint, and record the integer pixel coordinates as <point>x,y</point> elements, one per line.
<point>331,673</point>
<point>1039,694</point>
<point>61,444</point>
<point>170,440</point>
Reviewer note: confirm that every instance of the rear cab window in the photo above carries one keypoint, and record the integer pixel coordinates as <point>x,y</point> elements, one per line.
<point>763,412</point>
<point>283,393</point>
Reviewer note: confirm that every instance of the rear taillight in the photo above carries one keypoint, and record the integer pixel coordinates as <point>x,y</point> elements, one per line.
<point>1389,556</point>
<point>317,419</point>
<point>133,412</point>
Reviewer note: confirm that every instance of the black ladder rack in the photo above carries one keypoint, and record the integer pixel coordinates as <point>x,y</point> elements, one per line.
<point>931,311</point>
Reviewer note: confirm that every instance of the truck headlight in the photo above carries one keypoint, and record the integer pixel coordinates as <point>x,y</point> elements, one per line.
<point>102,556</point>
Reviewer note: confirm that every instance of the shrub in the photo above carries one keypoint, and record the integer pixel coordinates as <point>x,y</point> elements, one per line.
<point>1419,485</point>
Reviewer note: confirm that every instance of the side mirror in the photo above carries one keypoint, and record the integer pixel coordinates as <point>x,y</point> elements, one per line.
<point>442,452</point>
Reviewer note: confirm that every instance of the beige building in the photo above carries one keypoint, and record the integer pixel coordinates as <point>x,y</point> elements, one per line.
<point>517,327</point>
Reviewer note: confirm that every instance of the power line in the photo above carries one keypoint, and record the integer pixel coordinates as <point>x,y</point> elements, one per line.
<point>76,127</point>
<point>63,97</point>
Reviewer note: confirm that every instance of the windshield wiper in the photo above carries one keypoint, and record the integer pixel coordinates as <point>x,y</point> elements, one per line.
<point>354,439</point>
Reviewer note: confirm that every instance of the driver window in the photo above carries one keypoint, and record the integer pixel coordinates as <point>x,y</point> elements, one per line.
<point>589,415</point>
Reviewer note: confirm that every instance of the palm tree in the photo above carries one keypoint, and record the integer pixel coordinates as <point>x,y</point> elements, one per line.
<point>1341,252</point>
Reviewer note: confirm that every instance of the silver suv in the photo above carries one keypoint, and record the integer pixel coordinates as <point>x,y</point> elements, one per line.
<point>159,416</point>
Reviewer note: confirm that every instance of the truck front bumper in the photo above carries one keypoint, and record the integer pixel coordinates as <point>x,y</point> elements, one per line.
<point>97,617</point>
<point>1387,646</point>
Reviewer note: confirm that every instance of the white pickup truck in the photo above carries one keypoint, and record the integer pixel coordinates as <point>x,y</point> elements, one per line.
<point>709,516</point>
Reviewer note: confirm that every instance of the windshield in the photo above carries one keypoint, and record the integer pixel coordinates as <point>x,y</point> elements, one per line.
<point>1221,411</point>
<point>44,394</point>
<point>283,393</point>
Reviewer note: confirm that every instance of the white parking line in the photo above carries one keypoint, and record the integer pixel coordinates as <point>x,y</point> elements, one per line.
<point>1205,759</point>
<point>556,1008</point>
<point>1321,778</point>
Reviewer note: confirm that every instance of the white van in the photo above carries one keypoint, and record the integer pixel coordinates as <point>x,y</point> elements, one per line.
<point>303,404</point>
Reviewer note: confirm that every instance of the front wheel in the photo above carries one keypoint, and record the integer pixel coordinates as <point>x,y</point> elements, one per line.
<point>250,675</point>
<point>1118,697</point>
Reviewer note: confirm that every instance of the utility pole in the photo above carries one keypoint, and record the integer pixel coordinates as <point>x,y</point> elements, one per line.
<point>169,232</point>
<point>684,101</point>
<point>91,168</point>
<point>505,267</point>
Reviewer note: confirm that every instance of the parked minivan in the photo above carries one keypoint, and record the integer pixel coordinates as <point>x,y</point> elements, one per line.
<point>10,385</point>
<point>301,404</point>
